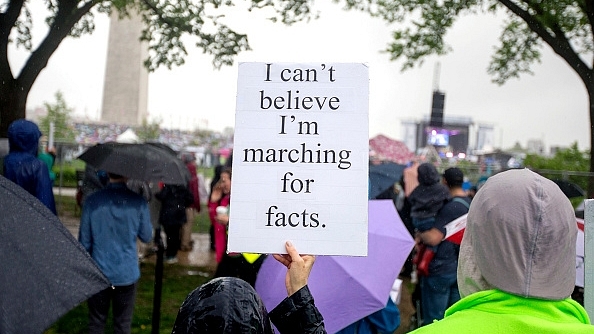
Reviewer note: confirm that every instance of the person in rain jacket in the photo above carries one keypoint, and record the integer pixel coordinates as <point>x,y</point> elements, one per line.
<point>229,305</point>
<point>384,321</point>
<point>516,269</point>
<point>113,218</point>
<point>186,242</point>
<point>220,196</point>
<point>427,198</point>
<point>174,199</point>
<point>22,166</point>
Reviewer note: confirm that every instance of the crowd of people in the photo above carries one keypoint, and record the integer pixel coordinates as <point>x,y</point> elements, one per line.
<point>91,134</point>
<point>513,271</point>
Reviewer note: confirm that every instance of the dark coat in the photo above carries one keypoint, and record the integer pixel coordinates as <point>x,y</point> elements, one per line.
<point>430,195</point>
<point>22,166</point>
<point>229,305</point>
<point>174,201</point>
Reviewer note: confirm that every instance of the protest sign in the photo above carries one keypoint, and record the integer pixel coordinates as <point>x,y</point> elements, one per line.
<point>300,159</point>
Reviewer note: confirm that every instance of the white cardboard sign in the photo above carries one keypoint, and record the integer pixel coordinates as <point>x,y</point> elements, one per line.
<point>300,159</point>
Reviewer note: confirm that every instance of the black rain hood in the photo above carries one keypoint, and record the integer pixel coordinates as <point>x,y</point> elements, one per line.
<point>223,305</point>
<point>427,174</point>
<point>23,136</point>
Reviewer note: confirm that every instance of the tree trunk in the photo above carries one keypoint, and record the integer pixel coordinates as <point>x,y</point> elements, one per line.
<point>13,101</point>
<point>590,90</point>
<point>14,92</point>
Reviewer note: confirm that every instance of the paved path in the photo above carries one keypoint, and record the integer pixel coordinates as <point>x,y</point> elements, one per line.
<point>65,191</point>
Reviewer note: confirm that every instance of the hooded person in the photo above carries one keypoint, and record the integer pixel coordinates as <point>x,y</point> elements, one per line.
<point>427,198</point>
<point>229,305</point>
<point>516,268</point>
<point>22,166</point>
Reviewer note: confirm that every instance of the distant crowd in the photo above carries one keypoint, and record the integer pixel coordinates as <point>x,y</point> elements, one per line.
<point>89,134</point>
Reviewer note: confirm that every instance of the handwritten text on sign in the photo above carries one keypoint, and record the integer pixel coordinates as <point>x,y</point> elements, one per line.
<point>300,159</point>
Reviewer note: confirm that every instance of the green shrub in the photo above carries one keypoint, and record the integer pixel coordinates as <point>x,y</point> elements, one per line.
<point>66,174</point>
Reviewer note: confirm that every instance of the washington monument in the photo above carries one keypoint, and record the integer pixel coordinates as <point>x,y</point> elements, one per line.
<point>125,87</point>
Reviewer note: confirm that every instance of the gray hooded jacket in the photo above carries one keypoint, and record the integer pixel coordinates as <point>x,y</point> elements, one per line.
<point>520,238</point>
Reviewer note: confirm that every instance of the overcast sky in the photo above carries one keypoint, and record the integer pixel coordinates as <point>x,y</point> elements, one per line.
<point>551,105</point>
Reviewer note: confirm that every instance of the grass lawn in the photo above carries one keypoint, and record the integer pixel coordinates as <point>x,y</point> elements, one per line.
<point>201,221</point>
<point>178,281</point>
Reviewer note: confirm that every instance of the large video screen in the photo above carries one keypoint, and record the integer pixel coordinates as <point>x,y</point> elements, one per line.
<point>440,138</point>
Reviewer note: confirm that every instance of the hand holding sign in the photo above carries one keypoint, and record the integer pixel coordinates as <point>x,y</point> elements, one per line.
<point>299,267</point>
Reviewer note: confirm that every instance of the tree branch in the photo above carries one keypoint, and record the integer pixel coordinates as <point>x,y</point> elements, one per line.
<point>7,22</point>
<point>159,13</point>
<point>587,6</point>
<point>9,18</point>
<point>558,42</point>
<point>67,16</point>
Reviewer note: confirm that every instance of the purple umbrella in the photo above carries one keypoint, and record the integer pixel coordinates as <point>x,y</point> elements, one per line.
<point>345,288</point>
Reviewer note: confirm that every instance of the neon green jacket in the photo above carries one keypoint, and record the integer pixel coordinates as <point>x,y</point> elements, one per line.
<point>495,311</point>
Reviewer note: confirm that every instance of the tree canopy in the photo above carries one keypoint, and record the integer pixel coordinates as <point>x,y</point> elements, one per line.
<point>58,113</point>
<point>569,159</point>
<point>566,26</point>
<point>149,130</point>
<point>562,164</point>
<point>166,23</point>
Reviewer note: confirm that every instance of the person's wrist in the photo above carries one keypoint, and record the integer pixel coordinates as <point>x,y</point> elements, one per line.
<point>297,287</point>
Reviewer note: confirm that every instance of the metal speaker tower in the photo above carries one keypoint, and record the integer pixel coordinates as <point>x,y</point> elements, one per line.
<point>438,102</point>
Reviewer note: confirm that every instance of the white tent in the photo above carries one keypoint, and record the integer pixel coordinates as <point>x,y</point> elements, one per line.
<point>128,136</point>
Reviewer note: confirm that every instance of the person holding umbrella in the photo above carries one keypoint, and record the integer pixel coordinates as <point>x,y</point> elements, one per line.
<point>112,220</point>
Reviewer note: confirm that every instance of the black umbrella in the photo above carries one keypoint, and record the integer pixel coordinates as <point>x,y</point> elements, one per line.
<point>45,270</point>
<point>163,146</point>
<point>147,162</point>
<point>382,176</point>
<point>144,162</point>
<point>570,189</point>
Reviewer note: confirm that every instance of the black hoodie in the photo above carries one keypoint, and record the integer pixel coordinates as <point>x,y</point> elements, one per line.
<point>230,305</point>
<point>430,195</point>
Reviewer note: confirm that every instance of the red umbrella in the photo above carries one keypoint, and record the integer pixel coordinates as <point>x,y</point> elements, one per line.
<point>455,231</point>
<point>388,149</point>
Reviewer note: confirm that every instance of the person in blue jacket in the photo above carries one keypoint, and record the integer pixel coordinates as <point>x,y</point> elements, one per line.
<point>384,321</point>
<point>113,218</point>
<point>22,166</point>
